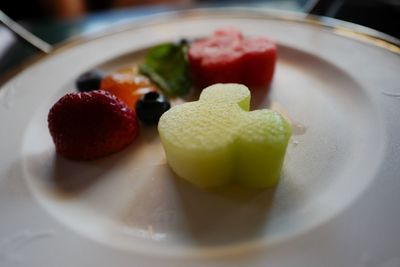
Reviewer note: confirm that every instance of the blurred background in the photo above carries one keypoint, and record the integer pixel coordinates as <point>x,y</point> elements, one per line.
<point>57,20</point>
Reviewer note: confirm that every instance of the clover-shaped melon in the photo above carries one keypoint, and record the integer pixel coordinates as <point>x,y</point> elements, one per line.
<point>216,140</point>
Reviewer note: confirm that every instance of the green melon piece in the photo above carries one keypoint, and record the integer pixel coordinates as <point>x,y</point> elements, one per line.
<point>216,140</point>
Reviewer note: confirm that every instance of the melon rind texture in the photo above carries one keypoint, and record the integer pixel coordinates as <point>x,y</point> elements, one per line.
<point>216,140</point>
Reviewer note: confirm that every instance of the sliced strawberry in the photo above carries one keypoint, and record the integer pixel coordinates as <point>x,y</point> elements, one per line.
<point>91,125</point>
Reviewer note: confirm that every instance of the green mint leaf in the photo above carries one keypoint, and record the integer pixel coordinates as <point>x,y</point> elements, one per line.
<point>167,66</point>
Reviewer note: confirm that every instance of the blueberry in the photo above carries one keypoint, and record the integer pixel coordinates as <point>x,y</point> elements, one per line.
<point>89,81</point>
<point>184,41</point>
<point>150,107</point>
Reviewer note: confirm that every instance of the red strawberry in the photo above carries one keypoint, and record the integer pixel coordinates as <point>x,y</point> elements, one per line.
<point>229,57</point>
<point>91,125</point>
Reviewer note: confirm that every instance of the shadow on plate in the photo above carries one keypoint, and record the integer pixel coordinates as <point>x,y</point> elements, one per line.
<point>226,215</point>
<point>168,206</point>
<point>68,177</point>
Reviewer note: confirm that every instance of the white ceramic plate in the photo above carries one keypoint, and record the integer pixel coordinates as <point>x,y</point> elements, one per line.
<point>337,203</point>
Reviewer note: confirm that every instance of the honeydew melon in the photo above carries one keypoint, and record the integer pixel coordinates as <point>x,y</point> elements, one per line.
<point>216,140</point>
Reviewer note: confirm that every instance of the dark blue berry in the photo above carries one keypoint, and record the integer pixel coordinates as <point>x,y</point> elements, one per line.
<point>89,81</point>
<point>150,107</point>
<point>184,41</point>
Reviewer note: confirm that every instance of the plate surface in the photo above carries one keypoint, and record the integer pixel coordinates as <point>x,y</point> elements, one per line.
<point>335,205</point>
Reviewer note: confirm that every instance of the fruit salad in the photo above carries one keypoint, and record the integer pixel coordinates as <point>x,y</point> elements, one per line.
<point>210,142</point>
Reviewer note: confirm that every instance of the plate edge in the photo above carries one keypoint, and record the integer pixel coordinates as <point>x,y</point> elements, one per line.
<point>337,27</point>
